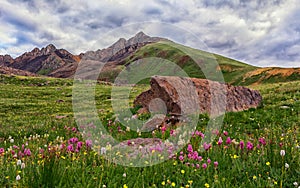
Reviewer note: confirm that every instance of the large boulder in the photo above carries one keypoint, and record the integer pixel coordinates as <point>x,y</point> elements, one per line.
<point>213,97</point>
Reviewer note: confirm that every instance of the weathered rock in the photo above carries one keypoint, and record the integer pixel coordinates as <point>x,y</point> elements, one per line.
<point>153,123</point>
<point>213,97</point>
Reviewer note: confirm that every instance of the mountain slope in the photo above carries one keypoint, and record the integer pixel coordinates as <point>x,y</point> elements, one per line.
<point>60,63</point>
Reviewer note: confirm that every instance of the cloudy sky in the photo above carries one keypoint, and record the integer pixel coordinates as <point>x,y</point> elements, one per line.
<point>258,32</point>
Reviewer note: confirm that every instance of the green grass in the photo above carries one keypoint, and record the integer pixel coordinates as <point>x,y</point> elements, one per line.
<point>37,113</point>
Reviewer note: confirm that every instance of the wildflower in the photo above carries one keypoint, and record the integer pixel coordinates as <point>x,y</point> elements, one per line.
<point>249,146</point>
<point>254,177</point>
<point>125,186</point>
<point>27,152</point>
<point>103,150</point>
<point>124,175</point>
<point>182,171</point>
<point>242,144</point>
<point>190,148</point>
<point>282,153</point>
<point>70,148</point>
<point>181,158</point>
<point>220,141</point>
<point>206,146</point>
<point>262,141</point>
<point>228,140</point>
<point>19,162</point>
<point>11,140</point>
<point>18,177</point>
<point>79,145</point>
<point>88,144</point>
<point>74,129</point>
<point>286,165</point>
<point>235,156</point>
<point>208,161</point>
<point>172,132</point>
<point>216,132</point>
<point>2,150</point>
<point>225,133</point>
<point>163,183</point>
<point>199,158</point>
<point>295,184</point>
<point>268,163</point>
<point>206,185</point>
<point>22,165</point>
<point>216,164</point>
<point>197,166</point>
<point>173,184</point>
<point>204,165</point>
<point>72,140</point>
<point>163,129</point>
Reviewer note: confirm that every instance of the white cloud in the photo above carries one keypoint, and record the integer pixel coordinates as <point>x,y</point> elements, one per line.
<point>263,33</point>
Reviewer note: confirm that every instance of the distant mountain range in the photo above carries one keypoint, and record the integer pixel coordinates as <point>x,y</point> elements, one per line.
<point>53,62</point>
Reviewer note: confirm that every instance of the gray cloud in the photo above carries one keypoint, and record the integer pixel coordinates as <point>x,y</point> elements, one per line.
<point>261,33</point>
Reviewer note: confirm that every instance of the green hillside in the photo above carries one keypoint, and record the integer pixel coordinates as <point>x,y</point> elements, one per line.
<point>233,71</point>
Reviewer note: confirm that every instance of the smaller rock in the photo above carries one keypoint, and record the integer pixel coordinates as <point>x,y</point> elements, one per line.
<point>153,123</point>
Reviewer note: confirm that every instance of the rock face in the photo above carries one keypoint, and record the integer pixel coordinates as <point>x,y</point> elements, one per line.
<point>213,97</point>
<point>47,61</point>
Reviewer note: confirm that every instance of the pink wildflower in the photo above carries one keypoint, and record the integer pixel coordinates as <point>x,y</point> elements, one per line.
<point>27,152</point>
<point>181,158</point>
<point>2,150</point>
<point>216,164</point>
<point>88,144</point>
<point>262,141</point>
<point>70,148</point>
<point>228,140</point>
<point>73,140</point>
<point>163,129</point>
<point>204,165</point>
<point>206,146</point>
<point>220,141</point>
<point>242,144</point>
<point>249,146</point>
<point>190,148</point>
<point>79,145</point>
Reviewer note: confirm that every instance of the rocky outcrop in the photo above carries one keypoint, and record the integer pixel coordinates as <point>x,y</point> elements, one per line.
<point>6,60</point>
<point>213,97</point>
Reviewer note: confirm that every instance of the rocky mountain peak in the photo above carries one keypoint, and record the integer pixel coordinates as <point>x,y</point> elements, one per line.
<point>48,49</point>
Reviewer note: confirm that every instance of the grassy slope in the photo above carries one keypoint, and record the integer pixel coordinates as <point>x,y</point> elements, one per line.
<point>234,72</point>
<point>30,106</point>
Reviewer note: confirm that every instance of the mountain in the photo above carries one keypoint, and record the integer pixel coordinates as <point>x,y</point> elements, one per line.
<point>53,62</point>
<point>43,61</point>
